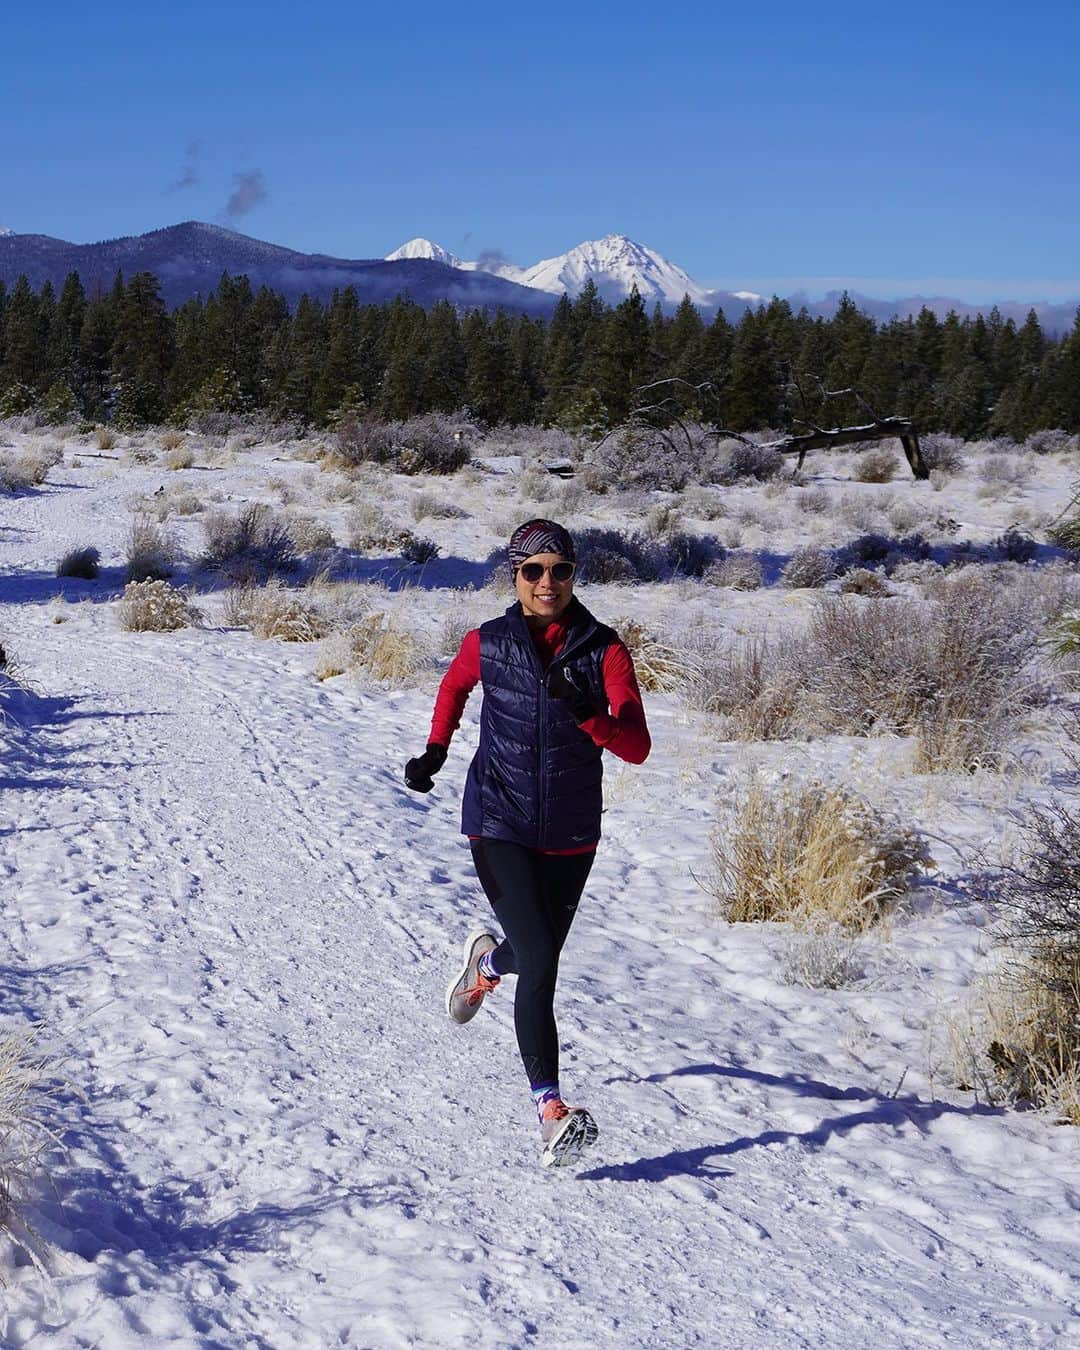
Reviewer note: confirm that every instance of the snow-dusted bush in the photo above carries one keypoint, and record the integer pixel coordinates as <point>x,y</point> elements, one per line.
<point>310,535</point>
<point>738,572</point>
<point>906,516</point>
<point>1015,546</point>
<point>371,528</point>
<point>415,548</point>
<point>829,958</point>
<point>82,563</point>
<point>171,439</point>
<point>813,500</point>
<point>104,437</point>
<point>271,611</point>
<point>28,469</point>
<point>876,466</point>
<point>24,1136</point>
<point>250,546</point>
<point>660,667</point>
<point>749,685</point>
<point>375,645</point>
<point>610,555</point>
<point>430,504</point>
<point>430,443</point>
<point>634,456</point>
<point>1066,533</point>
<point>744,460</point>
<point>872,550</point>
<point>1050,442</point>
<point>1004,471</point>
<point>808,567</point>
<point>814,856</point>
<point>155,607</point>
<point>863,581</point>
<point>151,552</point>
<point>181,457</point>
<point>942,452</point>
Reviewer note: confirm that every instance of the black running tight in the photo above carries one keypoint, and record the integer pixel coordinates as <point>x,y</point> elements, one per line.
<point>535,897</point>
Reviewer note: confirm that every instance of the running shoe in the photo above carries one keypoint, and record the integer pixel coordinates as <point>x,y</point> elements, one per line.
<point>465,993</point>
<point>565,1132</point>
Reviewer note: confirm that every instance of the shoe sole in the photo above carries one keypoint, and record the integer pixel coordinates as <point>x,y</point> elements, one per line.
<point>461,982</point>
<point>578,1133</point>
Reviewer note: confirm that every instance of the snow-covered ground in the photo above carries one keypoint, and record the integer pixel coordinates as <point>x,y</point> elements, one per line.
<point>236,925</point>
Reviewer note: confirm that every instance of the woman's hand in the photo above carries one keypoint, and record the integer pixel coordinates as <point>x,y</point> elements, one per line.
<point>419,772</point>
<point>561,685</point>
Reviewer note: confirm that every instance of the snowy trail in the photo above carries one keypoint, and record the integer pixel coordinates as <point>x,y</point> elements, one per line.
<point>245,933</point>
<point>238,923</point>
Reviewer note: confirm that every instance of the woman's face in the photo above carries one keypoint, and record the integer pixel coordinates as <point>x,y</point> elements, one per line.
<point>546,598</point>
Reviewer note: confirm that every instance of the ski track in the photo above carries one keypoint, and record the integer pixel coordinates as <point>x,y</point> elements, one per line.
<point>237,924</point>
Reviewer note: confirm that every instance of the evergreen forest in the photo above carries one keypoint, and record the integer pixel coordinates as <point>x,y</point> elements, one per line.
<point>120,356</point>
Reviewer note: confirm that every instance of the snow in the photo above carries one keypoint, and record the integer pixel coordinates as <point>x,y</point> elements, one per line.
<point>236,925</point>
<point>424,248</point>
<point>615,263</point>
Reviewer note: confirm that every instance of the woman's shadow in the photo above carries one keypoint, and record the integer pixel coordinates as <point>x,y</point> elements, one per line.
<point>881,1109</point>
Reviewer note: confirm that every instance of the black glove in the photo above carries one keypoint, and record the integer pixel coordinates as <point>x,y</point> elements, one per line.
<point>419,771</point>
<point>563,685</point>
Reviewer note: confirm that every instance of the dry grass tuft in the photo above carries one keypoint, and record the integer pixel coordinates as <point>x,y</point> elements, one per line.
<point>81,563</point>
<point>660,668</point>
<point>377,646</point>
<point>876,466</point>
<point>24,1137</point>
<point>816,857</point>
<point>180,457</point>
<point>151,551</point>
<point>104,437</point>
<point>155,607</point>
<point>272,611</point>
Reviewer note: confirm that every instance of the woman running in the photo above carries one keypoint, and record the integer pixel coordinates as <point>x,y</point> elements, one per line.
<point>559,689</point>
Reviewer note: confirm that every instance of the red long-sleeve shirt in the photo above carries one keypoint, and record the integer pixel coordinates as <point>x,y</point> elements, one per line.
<point>623,730</point>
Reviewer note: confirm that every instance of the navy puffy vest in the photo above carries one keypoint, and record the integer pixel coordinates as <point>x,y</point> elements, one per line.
<point>536,778</point>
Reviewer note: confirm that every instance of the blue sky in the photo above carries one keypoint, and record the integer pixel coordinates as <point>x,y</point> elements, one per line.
<point>894,148</point>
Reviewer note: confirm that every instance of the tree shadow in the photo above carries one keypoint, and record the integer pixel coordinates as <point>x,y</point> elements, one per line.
<point>891,1110</point>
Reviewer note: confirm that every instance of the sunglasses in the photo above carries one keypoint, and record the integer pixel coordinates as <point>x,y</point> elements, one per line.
<point>560,571</point>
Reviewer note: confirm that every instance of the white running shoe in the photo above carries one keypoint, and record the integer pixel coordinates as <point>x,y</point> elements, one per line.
<point>465,993</point>
<point>565,1132</point>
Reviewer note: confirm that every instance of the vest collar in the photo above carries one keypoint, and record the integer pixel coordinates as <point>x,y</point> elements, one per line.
<point>579,625</point>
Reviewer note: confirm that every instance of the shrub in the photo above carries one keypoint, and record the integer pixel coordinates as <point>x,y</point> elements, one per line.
<point>1066,533</point>
<point>634,456</point>
<point>827,957</point>
<point>151,551</point>
<point>250,546</point>
<point>23,1135</point>
<point>426,504</point>
<point>1004,471</point>
<point>416,549</point>
<point>1050,442</point>
<point>749,685</point>
<point>808,567</point>
<point>29,469</point>
<point>181,457</point>
<point>371,528</point>
<point>941,452</point>
<point>431,443</point>
<point>738,572</point>
<point>744,460</point>
<point>172,440</point>
<point>1065,636</point>
<point>660,668</point>
<point>375,645</point>
<point>1015,546</point>
<point>83,563</point>
<point>876,466</point>
<point>155,607</point>
<point>104,437</point>
<point>862,581</point>
<point>813,856</point>
<point>310,535</point>
<point>272,612</point>
<point>1031,1039</point>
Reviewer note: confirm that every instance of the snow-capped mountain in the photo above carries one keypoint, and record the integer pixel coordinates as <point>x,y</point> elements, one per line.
<point>5,230</point>
<point>615,263</point>
<point>424,248</point>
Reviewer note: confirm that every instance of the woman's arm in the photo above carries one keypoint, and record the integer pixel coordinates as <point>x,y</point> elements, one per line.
<point>623,730</point>
<point>457,684</point>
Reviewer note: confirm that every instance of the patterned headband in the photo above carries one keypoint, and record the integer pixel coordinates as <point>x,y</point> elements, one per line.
<point>539,536</point>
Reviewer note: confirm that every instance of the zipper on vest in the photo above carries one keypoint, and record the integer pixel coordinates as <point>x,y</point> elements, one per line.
<point>541,759</point>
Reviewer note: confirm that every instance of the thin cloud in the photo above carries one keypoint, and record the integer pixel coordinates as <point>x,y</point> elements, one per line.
<point>249,191</point>
<point>189,170</point>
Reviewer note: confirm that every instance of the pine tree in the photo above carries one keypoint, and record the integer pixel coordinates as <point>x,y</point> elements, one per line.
<point>24,354</point>
<point>141,352</point>
<point>443,381</point>
<point>626,361</point>
<point>341,368</point>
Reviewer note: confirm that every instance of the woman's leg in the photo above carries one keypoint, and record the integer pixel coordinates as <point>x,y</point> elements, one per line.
<point>534,897</point>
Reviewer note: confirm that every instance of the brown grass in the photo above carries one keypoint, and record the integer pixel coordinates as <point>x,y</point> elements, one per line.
<point>660,668</point>
<point>155,607</point>
<point>817,857</point>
